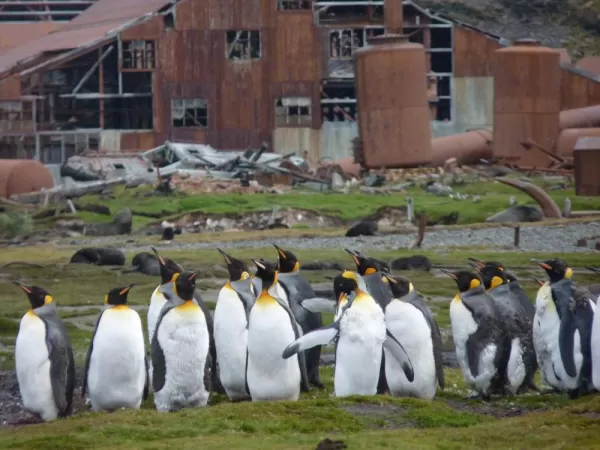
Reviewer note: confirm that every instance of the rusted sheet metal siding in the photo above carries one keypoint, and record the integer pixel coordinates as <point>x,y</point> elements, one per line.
<point>305,142</point>
<point>526,101</point>
<point>10,87</point>
<point>587,165</point>
<point>239,14</point>
<point>189,56</point>
<point>473,53</point>
<point>193,135</point>
<point>192,15</point>
<point>151,29</point>
<point>474,101</point>
<point>242,92</point>
<point>297,48</point>
<point>578,91</point>
<point>336,139</point>
<point>394,16</point>
<point>137,141</point>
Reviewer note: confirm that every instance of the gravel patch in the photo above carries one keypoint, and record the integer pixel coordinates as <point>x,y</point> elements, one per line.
<point>549,238</point>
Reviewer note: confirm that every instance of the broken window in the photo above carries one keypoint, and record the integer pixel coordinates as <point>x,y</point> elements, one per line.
<point>138,55</point>
<point>189,113</point>
<point>243,45</point>
<point>293,111</point>
<point>338,102</point>
<point>342,43</point>
<point>15,115</point>
<point>293,4</point>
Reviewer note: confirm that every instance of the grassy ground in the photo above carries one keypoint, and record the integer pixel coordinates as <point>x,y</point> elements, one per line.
<point>493,198</point>
<point>545,421</point>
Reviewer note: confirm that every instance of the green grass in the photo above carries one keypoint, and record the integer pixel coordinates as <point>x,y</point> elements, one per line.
<point>549,421</point>
<point>347,207</point>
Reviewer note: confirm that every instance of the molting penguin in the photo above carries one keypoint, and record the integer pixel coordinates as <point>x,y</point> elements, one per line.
<point>371,275</point>
<point>522,363</point>
<point>271,328</point>
<point>513,284</point>
<point>180,348</point>
<point>116,373</point>
<point>298,289</point>
<point>410,321</point>
<point>231,328</point>
<point>575,310</point>
<point>360,334</point>
<point>480,338</point>
<point>44,358</point>
<point>168,270</point>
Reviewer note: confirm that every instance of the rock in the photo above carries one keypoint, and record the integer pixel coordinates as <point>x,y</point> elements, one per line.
<point>374,180</point>
<point>147,264</point>
<point>328,444</point>
<point>124,221</point>
<point>72,225</point>
<point>415,262</point>
<point>363,228</point>
<point>582,243</point>
<point>99,256</point>
<point>518,213</point>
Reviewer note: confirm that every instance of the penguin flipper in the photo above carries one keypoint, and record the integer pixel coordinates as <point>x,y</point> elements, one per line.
<point>147,382</point>
<point>318,305</point>
<point>62,365</point>
<point>159,365</point>
<point>322,336</point>
<point>89,356</point>
<point>566,340</point>
<point>398,352</point>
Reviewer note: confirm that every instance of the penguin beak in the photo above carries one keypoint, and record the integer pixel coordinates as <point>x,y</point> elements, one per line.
<point>450,274</point>
<point>595,270</point>
<point>389,278</point>
<point>327,277</point>
<point>355,256</point>
<point>25,288</point>
<point>542,264</point>
<point>258,264</point>
<point>476,263</point>
<point>539,282</point>
<point>160,258</point>
<point>126,290</point>
<point>475,266</point>
<point>280,251</point>
<point>225,256</point>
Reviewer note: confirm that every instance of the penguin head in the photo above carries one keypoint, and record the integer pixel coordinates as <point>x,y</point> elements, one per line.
<point>492,276</point>
<point>238,270</point>
<point>400,286</point>
<point>344,284</point>
<point>286,261</point>
<point>118,296</point>
<point>185,285</point>
<point>557,269</point>
<point>37,296</point>
<point>167,268</point>
<point>478,265</point>
<point>366,265</point>
<point>266,271</point>
<point>465,280</point>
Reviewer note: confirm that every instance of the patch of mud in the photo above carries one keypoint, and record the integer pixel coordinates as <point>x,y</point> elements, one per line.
<point>489,409</point>
<point>379,416</point>
<point>12,412</point>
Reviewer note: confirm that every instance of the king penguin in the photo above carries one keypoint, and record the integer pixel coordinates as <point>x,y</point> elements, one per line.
<point>180,348</point>
<point>522,363</point>
<point>370,273</point>
<point>234,303</point>
<point>360,335</point>
<point>575,309</point>
<point>410,321</point>
<point>44,358</point>
<point>480,337</point>
<point>271,328</point>
<point>168,271</point>
<point>298,289</point>
<point>116,374</point>
<point>595,338</point>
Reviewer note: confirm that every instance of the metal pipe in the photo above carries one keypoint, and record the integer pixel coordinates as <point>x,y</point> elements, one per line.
<point>89,73</point>
<point>587,117</point>
<point>468,147</point>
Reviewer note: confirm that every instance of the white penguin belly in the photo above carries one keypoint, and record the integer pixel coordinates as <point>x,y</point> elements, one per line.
<point>157,301</point>
<point>359,348</point>
<point>231,342</point>
<point>463,326</point>
<point>515,369</point>
<point>596,351</point>
<point>411,329</point>
<point>183,337</point>
<point>33,368</point>
<point>270,377</point>
<point>117,372</point>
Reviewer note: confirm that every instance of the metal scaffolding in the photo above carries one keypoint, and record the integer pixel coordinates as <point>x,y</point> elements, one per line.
<point>42,10</point>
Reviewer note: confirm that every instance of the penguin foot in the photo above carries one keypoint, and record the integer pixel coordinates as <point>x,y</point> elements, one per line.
<point>316,382</point>
<point>479,396</point>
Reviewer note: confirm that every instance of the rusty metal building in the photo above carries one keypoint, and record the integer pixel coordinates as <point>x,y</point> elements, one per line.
<point>129,74</point>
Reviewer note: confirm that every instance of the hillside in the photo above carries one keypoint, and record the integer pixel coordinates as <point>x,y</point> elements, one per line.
<point>572,24</point>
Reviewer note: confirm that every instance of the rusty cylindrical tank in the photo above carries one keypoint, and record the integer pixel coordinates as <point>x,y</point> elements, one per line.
<point>21,176</point>
<point>468,147</point>
<point>580,117</point>
<point>568,138</point>
<point>527,81</point>
<point>394,117</point>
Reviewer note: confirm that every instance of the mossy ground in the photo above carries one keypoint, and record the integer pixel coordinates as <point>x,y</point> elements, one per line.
<point>450,421</point>
<point>493,195</point>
